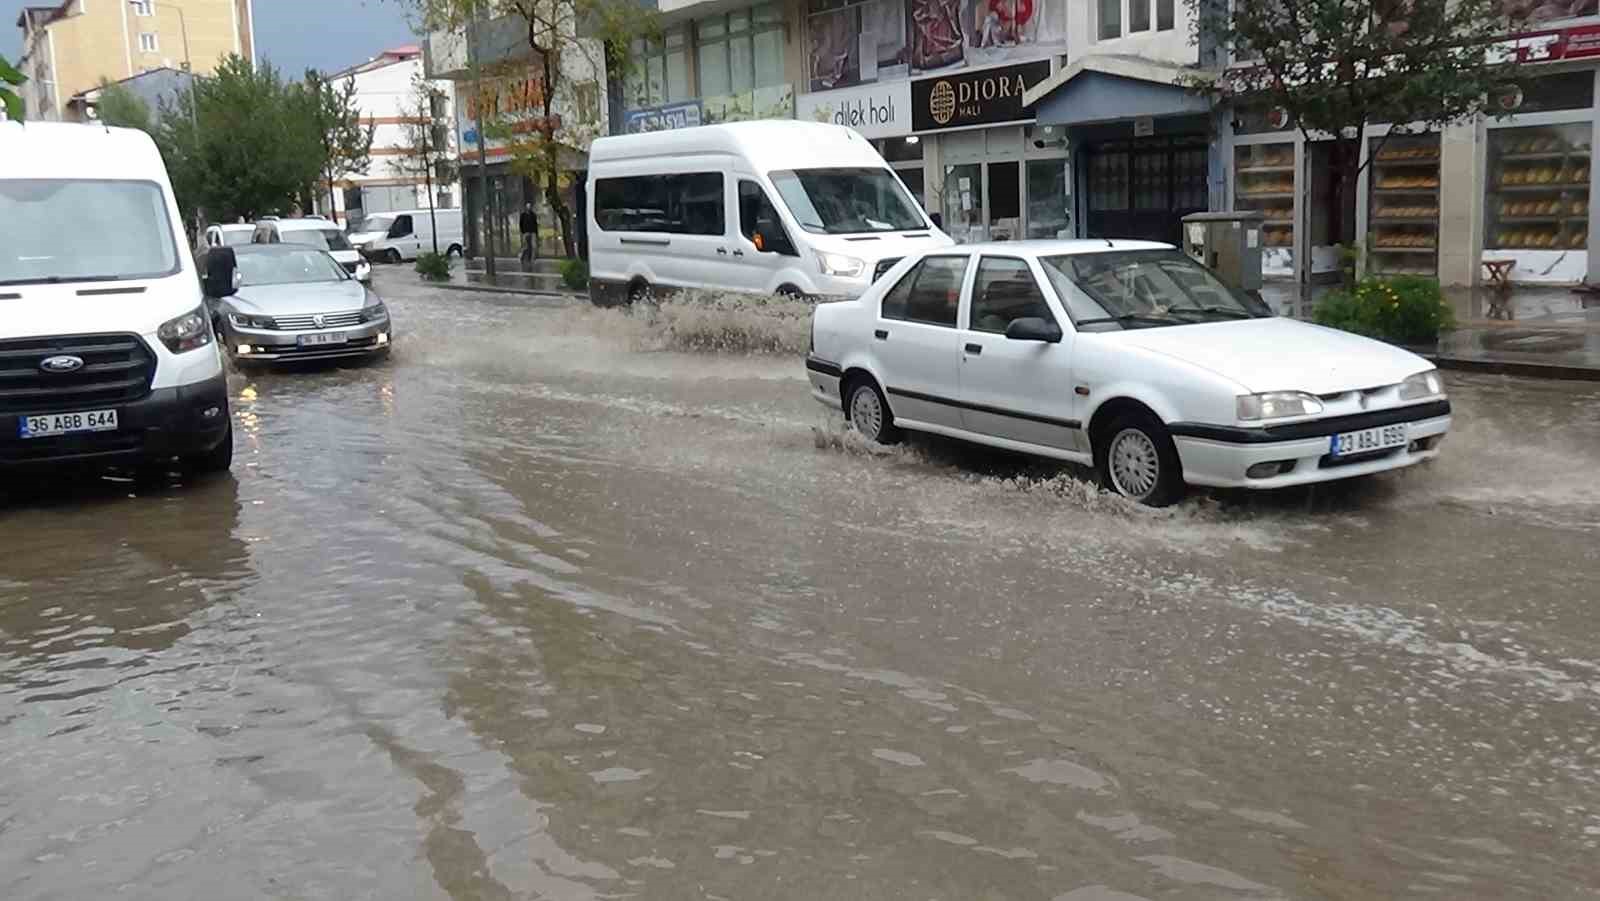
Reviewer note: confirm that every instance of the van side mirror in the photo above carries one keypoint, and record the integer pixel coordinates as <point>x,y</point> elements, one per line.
<point>222,271</point>
<point>1034,328</point>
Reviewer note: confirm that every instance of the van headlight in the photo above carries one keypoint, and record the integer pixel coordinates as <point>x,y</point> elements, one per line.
<point>1277,405</point>
<point>1422,385</point>
<point>188,332</point>
<point>838,264</point>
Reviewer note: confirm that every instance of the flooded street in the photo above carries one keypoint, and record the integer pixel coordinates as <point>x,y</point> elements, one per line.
<point>559,604</point>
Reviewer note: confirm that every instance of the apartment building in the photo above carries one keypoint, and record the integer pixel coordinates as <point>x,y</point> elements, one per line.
<point>386,94</point>
<point>68,49</point>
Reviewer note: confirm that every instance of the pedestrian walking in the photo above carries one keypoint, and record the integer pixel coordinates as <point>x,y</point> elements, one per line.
<point>528,224</point>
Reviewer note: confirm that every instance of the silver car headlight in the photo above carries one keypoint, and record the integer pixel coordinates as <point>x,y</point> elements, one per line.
<point>241,320</point>
<point>374,312</point>
<point>1423,385</point>
<point>838,264</point>
<point>1277,405</point>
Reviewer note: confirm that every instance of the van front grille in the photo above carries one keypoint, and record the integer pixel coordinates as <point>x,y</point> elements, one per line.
<point>116,369</point>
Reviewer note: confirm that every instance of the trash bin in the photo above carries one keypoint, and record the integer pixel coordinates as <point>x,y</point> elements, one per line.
<point>1227,243</point>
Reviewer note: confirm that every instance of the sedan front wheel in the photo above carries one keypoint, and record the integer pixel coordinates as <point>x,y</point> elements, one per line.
<point>1140,462</point>
<point>869,413</point>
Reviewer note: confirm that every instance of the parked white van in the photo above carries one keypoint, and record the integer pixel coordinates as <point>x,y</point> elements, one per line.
<point>107,357</point>
<point>312,231</point>
<point>772,207</point>
<point>400,235</point>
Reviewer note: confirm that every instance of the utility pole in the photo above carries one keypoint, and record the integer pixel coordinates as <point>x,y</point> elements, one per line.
<point>486,229</point>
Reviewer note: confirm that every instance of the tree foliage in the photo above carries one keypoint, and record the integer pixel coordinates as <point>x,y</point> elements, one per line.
<point>10,80</point>
<point>119,107</point>
<point>334,117</point>
<point>1339,66</point>
<point>424,150</point>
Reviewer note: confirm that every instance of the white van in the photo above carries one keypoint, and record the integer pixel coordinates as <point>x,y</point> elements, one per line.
<point>399,235</point>
<point>107,357</point>
<point>312,231</point>
<point>772,207</point>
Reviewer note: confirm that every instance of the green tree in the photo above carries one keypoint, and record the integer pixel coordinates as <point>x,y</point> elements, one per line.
<point>343,141</point>
<point>571,43</point>
<point>1339,66</point>
<point>238,143</point>
<point>121,108</point>
<point>10,80</point>
<point>424,148</point>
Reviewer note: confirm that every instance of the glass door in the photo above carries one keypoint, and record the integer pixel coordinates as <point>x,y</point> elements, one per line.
<point>1004,207</point>
<point>1048,200</point>
<point>1263,179</point>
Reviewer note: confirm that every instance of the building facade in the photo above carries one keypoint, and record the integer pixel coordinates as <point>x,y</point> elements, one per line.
<point>387,96</point>
<point>69,49</point>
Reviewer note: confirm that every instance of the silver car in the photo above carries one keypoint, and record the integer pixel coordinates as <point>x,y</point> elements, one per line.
<point>298,303</point>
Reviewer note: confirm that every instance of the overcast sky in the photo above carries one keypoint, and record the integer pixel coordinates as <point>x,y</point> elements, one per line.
<point>292,34</point>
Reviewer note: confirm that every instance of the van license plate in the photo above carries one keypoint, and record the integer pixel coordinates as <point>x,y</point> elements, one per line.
<point>323,338</point>
<point>52,424</point>
<point>1367,441</point>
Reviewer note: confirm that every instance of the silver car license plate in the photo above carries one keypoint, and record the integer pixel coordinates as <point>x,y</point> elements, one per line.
<point>323,338</point>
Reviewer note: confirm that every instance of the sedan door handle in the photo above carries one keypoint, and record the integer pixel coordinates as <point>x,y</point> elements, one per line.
<point>974,349</point>
<point>881,334</point>
<point>737,252</point>
<point>722,250</point>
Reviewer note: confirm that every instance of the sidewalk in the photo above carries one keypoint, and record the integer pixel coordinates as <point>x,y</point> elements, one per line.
<point>1540,331</point>
<point>541,278</point>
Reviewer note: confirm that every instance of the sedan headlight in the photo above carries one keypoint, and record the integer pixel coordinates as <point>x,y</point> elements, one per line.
<point>1422,385</point>
<point>241,320</point>
<point>188,332</point>
<point>840,265</point>
<point>1277,405</point>
<point>374,312</point>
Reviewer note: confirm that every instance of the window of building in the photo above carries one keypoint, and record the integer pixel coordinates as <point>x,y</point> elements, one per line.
<point>143,7</point>
<point>662,73</point>
<point>148,42</point>
<point>690,204</point>
<point>1165,14</point>
<point>1110,19</point>
<point>1005,292</point>
<point>859,41</point>
<point>1138,15</point>
<point>740,51</point>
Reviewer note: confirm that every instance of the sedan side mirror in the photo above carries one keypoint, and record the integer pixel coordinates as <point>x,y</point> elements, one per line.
<point>222,272</point>
<point>1034,328</point>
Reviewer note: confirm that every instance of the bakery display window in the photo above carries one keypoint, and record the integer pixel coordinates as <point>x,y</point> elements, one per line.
<point>1403,206</point>
<point>1538,188</point>
<point>1264,180</point>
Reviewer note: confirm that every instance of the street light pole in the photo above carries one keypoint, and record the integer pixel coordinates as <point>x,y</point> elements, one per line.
<point>486,228</point>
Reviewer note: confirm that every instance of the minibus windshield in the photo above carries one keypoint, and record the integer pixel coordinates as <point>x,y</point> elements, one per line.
<point>847,201</point>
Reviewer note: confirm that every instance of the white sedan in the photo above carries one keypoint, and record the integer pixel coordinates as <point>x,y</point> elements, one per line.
<point>1122,355</point>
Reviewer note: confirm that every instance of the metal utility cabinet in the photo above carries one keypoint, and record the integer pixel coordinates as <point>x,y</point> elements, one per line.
<point>1228,243</point>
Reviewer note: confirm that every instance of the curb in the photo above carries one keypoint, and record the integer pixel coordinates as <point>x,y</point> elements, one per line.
<point>493,289</point>
<point>1556,371</point>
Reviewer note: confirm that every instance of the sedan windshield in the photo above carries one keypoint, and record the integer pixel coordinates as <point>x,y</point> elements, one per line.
<point>847,201</point>
<point>67,230</point>
<point>1144,288</point>
<point>291,268</point>
<point>320,238</point>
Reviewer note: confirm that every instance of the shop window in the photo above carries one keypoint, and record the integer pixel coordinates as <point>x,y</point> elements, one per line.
<point>1138,15</point>
<point>1165,15</point>
<point>690,204</point>
<point>662,73</point>
<point>740,51</point>
<point>1403,210</point>
<point>1047,198</point>
<point>900,150</point>
<point>1264,180</point>
<point>854,41</point>
<point>1110,19</point>
<point>1538,188</point>
<point>1568,90</point>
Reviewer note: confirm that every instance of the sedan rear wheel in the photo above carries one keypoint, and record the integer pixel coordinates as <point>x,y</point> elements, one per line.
<point>1141,462</point>
<point>869,413</point>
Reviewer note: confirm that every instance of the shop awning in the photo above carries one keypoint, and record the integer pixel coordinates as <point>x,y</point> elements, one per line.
<point>1109,88</point>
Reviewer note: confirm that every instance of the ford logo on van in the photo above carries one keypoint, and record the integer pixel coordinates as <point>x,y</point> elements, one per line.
<point>61,364</point>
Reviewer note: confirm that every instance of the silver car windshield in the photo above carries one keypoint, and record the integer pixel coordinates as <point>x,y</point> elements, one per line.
<point>75,230</point>
<point>847,201</point>
<point>320,238</point>
<point>295,267</point>
<point>1144,288</point>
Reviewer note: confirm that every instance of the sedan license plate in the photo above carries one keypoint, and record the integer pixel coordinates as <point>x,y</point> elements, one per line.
<point>323,338</point>
<point>1368,441</point>
<point>52,424</point>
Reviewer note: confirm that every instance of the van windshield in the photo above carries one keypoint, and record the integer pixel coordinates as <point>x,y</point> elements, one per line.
<point>847,201</point>
<point>75,230</point>
<point>320,238</point>
<point>379,224</point>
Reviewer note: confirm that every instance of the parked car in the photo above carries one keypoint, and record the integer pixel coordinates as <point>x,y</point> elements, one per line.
<point>106,355</point>
<point>400,235</point>
<point>231,234</point>
<point>290,302</point>
<point>1122,355</point>
<point>771,207</point>
<point>311,232</point>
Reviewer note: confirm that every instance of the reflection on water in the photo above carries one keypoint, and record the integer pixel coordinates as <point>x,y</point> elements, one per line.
<point>546,607</point>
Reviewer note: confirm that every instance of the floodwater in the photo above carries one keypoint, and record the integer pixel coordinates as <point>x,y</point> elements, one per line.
<point>560,603</point>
